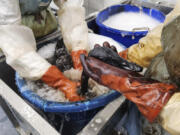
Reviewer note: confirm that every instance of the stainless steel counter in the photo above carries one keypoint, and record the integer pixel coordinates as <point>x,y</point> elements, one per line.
<point>6,127</point>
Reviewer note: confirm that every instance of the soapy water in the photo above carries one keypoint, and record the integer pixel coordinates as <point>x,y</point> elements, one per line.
<point>40,88</point>
<point>52,94</point>
<point>127,21</point>
<point>45,91</point>
<point>47,51</point>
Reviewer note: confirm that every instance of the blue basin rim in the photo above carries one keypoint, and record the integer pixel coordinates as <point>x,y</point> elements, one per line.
<point>49,106</point>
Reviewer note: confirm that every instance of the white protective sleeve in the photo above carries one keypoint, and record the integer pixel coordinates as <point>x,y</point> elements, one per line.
<point>18,43</point>
<point>10,12</point>
<point>170,115</point>
<point>73,25</point>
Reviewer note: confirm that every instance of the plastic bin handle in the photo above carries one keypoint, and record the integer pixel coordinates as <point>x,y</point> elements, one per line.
<point>141,28</point>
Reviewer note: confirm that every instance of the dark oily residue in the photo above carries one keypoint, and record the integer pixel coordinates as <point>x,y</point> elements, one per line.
<point>62,56</point>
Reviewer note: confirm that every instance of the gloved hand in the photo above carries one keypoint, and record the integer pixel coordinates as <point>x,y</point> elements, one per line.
<point>75,55</point>
<point>19,46</point>
<point>74,29</point>
<point>108,54</point>
<point>149,95</point>
<point>55,78</point>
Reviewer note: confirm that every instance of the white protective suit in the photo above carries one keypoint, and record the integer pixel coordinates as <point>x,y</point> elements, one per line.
<point>18,43</point>
<point>74,29</point>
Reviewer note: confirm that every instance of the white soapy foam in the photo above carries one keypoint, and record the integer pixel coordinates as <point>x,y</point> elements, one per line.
<point>46,92</point>
<point>97,88</point>
<point>127,21</point>
<point>52,94</point>
<point>42,89</point>
<point>73,74</point>
<point>47,51</point>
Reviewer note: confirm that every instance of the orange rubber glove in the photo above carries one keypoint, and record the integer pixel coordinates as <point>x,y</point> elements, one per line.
<point>74,29</point>
<point>124,54</point>
<point>149,95</point>
<point>54,78</point>
<point>76,58</point>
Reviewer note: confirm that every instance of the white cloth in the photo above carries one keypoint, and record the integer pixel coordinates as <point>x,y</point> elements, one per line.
<point>73,25</point>
<point>18,43</point>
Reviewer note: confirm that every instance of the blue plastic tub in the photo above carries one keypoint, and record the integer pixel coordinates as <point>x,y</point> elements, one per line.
<point>126,38</point>
<point>76,114</point>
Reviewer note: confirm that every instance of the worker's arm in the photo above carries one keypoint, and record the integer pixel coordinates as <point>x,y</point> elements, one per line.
<point>154,99</point>
<point>19,46</point>
<point>109,54</point>
<point>149,95</point>
<point>149,46</point>
<point>74,29</point>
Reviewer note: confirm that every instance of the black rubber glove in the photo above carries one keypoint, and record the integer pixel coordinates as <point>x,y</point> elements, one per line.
<point>109,54</point>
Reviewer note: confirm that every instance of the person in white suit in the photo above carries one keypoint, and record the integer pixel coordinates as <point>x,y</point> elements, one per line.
<point>19,46</point>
